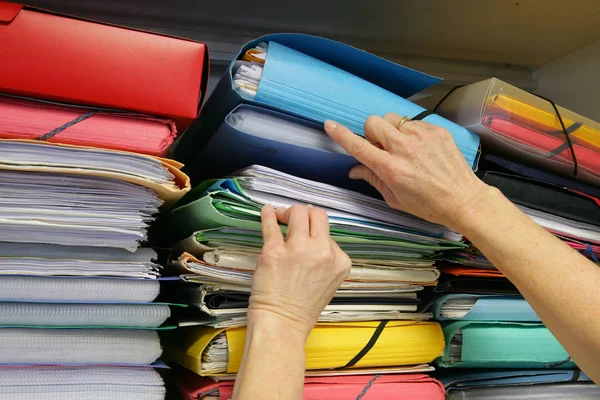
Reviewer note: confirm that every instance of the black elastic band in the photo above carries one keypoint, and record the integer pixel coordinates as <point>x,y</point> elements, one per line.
<point>576,375</point>
<point>564,131</point>
<point>61,128</point>
<point>558,364</point>
<point>368,346</point>
<point>421,115</point>
<point>562,125</point>
<point>367,387</point>
<point>445,97</point>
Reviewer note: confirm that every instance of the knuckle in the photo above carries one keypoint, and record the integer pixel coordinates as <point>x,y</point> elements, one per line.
<point>318,212</point>
<point>372,122</point>
<point>360,146</point>
<point>391,116</point>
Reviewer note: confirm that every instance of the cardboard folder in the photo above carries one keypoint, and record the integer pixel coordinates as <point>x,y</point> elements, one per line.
<point>168,193</point>
<point>405,386</point>
<point>328,345</point>
<point>25,119</point>
<point>544,197</point>
<point>487,308</point>
<point>319,79</point>
<point>502,345</point>
<point>55,57</point>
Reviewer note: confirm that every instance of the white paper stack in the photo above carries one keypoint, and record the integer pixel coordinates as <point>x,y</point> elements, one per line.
<point>80,383</point>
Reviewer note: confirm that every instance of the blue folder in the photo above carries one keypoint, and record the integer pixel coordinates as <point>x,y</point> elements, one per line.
<point>319,79</point>
<point>455,379</point>
<point>490,308</point>
<point>231,149</point>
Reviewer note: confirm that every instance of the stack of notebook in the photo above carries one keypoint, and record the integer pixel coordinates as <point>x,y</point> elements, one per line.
<point>80,184</point>
<point>260,140</point>
<point>487,324</point>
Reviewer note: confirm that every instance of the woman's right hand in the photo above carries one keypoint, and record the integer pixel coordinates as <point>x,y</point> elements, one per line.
<point>417,168</point>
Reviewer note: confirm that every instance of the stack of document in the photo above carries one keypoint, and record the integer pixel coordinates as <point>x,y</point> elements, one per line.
<point>392,253</point>
<point>77,291</point>
<point>81,383</point>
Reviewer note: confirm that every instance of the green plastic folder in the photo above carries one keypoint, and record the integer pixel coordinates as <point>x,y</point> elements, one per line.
<point>502,345</point>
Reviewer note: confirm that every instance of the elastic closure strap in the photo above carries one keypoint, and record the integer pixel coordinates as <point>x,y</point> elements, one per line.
<point>576,375</point>
<point>421,115</point>
<point>564,130</point>
<point>61,128</point>
<point>558,364</point>
<point>367,387</point>
<point>445,97</point>
<point>368,346</point>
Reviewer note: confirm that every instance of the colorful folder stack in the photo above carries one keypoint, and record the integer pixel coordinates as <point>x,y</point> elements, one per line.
<point>80,184</point>
<point>486,322</point>
<point>260,140</point>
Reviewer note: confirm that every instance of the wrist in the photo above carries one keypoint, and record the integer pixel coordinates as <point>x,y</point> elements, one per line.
<point>478,205</point>
<point>272,326</point>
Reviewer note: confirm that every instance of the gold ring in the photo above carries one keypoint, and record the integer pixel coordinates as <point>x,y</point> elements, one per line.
<point>402,122</point>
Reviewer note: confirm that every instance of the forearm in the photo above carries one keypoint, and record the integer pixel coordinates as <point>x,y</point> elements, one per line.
<point>561,285</point>
<point>273,363</point>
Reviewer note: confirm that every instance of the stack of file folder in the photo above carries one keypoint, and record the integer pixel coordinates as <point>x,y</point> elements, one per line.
<point>487,324</point>
<point>81,181</point>
<point>260,140</point>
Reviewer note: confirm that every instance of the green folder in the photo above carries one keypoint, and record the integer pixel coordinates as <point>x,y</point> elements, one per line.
<point>210,206</point>
<point>471,344</point>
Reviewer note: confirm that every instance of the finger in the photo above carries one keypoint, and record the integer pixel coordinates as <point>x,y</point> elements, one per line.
<point>340,255</point>
<point>406,127</point>
<point>282,214</point>
<point>378,130</point>
<point>363,172</point>
<point>355,145</point>
<point>319,223</point>
<point>298,225</point>
<point>393,119</point>
<point>270,228</point>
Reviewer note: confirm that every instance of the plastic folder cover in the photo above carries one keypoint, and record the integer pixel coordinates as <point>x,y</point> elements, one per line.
<point>320,79</point>
<point>55,57</point>
<point>505,345</point>
<point>526,127</point>
<point>328,345</point>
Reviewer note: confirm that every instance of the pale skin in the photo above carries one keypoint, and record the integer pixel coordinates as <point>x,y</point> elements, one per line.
<point>418,169</point>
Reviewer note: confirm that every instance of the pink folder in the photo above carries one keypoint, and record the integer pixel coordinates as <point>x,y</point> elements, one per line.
<point>25,119</point>
<point>385,387</point>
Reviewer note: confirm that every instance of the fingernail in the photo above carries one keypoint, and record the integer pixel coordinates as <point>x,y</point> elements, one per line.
<point>309,206</point>
<point>330,125</point>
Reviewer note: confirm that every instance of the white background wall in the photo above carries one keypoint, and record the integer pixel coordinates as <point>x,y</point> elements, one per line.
<point>573,81</point>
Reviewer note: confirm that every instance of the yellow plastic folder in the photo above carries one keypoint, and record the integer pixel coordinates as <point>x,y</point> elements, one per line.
<point>543,120</point>
<point>328,346</point>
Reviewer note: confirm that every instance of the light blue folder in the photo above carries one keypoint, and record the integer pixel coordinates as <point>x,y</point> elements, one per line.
<point>489,308</point>
<point>319,79</point>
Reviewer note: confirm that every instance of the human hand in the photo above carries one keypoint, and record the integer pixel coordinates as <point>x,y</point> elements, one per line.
<point>417,168</point>
<point>296,278</point>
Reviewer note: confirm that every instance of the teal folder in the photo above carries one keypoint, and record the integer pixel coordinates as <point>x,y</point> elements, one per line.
<point>502,345</point>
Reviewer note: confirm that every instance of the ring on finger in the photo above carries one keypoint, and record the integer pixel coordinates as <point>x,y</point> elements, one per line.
<point>402,122</point>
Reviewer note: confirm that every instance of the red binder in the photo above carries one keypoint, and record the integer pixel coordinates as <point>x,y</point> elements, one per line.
<point>60,58</point>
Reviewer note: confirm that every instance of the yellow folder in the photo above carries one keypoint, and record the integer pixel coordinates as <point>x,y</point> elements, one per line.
<point>328,346</point>
<point>546,121</point>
